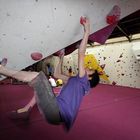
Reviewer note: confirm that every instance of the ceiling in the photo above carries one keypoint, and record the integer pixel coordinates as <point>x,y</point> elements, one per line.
<point>127,26</point>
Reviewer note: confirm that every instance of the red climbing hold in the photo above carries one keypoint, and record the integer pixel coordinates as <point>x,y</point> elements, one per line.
<point>114,15</point>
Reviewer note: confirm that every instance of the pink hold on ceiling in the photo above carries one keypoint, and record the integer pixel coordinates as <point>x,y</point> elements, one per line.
<point>36,56</point>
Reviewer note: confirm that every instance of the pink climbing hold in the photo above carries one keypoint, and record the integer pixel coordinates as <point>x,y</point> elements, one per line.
<point>82,20</point>
<point>36,56</point>
<point>60,52</point>
<point>3,62</point>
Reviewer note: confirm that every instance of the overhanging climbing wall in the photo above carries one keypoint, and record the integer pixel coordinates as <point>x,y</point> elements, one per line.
<point>46,26</point>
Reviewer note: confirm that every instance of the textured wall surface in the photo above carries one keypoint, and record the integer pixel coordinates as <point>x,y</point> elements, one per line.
<point>118,61</point>
<point>46,26</point>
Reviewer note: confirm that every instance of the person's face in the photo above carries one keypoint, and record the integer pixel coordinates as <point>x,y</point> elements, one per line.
<point>89,72</point>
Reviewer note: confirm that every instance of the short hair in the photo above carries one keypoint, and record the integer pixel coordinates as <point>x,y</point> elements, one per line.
<point>94,79</point>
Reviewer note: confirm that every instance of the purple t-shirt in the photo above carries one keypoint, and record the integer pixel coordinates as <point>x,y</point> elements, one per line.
<point>70,98</point>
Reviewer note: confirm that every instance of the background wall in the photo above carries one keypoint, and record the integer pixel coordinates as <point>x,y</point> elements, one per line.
<point>46,26</point>
<point>118,61</point>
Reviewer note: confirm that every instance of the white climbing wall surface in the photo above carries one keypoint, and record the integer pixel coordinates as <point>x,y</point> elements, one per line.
<point>46,26</point>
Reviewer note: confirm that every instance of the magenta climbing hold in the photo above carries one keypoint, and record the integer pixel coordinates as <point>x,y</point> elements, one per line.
<point>36,56</point>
